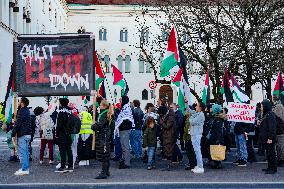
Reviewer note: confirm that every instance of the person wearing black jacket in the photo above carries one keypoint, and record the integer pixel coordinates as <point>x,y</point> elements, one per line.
<point>217,130</point>
<point>63,136</point>
<point>267,135</point>
<point>136,134</point>
<point>23,131</point>
<point>103,138</point>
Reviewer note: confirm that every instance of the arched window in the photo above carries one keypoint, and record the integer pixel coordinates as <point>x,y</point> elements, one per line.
<point>102,34</point>
<point>124,35</point>
<point>141,64</point>
<point>120,62</point>
<point>49,11</point>
<point>148,67</point>
<point>107,63</point>
<point>145,94</point>
<point>127,64</point>
<point>145,35</point>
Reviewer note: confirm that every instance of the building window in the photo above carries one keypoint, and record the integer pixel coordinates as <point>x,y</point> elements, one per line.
<point>141,64</point>
<point>120,63</point>
<point>49,11</point>
<point>43,6</point>
<point>127,64</point>
<point>105,61</point>
<point>148,67</point>
<point>145,35</point>
<point>124,35</point>
<point>165,35</point>
<point>102,34</point>
<point>145,94</point>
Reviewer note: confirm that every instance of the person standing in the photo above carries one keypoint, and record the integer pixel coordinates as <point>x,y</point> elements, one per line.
<point>150,141</point>
<point>241,130</point>
<point>123,125</point>
<point>267,135</point>
<point>103,138</point>
<point>85,138</point>
<point>278,110</point>
<point>169,136</point>
<point>46,128</point>
<point>63,136</point>
<point>177,156</point>
<point>216,133</point>
<point>136,134</point>
<point>23,131</point>
<point>197,120</point>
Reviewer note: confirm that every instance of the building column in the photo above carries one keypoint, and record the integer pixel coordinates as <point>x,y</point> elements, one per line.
<point>11,18</point>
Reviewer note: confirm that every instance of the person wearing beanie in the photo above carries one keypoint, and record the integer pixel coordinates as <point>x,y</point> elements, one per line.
<point>216,133</point>
<point>124,123</point>
<point>267,135</point>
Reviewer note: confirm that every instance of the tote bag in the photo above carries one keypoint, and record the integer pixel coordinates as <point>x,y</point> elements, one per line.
<point>217,152</point>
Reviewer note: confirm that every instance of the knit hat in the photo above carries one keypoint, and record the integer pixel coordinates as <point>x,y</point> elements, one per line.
<point>216,109</point>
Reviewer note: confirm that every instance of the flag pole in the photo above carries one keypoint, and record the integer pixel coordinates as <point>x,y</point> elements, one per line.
<point>94,95</point>
<point>110,93</point>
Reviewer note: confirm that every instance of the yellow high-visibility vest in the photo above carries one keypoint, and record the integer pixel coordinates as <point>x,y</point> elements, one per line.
<point>2,116</point>
<point>87,121</point>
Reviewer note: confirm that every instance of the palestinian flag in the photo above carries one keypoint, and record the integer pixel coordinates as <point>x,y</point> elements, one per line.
<point>279,88</point>
<point>239,94</point>
<point>177,79</point>
<point>99,73</point>
<point>183,64</point>
<point>179,83</point>
<point>225,89</point>
<point>9,98</point>
<point>119,80</point>
<point>206,90</point>
<point>102,91</point>
<point>86,99</point>
<point>171,56</point>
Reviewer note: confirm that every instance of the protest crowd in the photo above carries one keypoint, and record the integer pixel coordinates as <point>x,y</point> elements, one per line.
<point>124,131</point>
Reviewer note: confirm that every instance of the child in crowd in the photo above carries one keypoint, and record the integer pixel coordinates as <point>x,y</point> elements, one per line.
<point>11,144</point>
<point>150,141</point>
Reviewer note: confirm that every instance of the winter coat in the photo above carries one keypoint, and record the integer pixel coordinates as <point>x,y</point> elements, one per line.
<point>241,128</point>
<point>267,128</point>
<point>150,137</point>
<point>103,137</point>
<point>168,124</point>
<point>138,118</point>
<point>196,120</point>
<point>278,109</point>
<point>23,123</point>
<point>217,130</point>
<point>63,135</point>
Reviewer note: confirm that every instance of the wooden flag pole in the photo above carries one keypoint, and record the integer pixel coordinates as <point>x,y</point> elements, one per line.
<point>94,95</point>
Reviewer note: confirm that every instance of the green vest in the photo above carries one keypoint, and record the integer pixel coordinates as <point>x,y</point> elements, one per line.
<point>87,121</point>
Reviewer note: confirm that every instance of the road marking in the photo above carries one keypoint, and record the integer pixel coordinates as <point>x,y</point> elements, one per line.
<point>147,183</point>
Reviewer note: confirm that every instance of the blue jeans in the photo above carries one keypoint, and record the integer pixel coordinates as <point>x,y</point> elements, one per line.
<point>241,147</point>
<point>196,140</point>
<point>136,142</point>
<point>23,151</point>
<point>151,154</point>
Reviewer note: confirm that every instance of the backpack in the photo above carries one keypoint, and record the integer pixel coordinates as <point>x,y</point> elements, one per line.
<point>73,124</point>
<point>279,125</point>
<point>47,126</point>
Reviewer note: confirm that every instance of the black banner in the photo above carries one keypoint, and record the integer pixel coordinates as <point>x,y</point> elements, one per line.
<point>54,65</point>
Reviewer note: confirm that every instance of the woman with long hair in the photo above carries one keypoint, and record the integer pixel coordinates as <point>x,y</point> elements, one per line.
<point>103,137</point>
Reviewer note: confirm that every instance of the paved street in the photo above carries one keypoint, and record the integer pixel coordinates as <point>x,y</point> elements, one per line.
<point>138,177</point>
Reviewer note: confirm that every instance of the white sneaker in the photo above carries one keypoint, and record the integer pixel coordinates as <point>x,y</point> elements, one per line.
<point>22,173</point>
<point>198,170</point>
<point>58,166</point>
<point>194,168</point>
<point>84,163</point>
<point>41,162</point>
<point>51,162</point>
